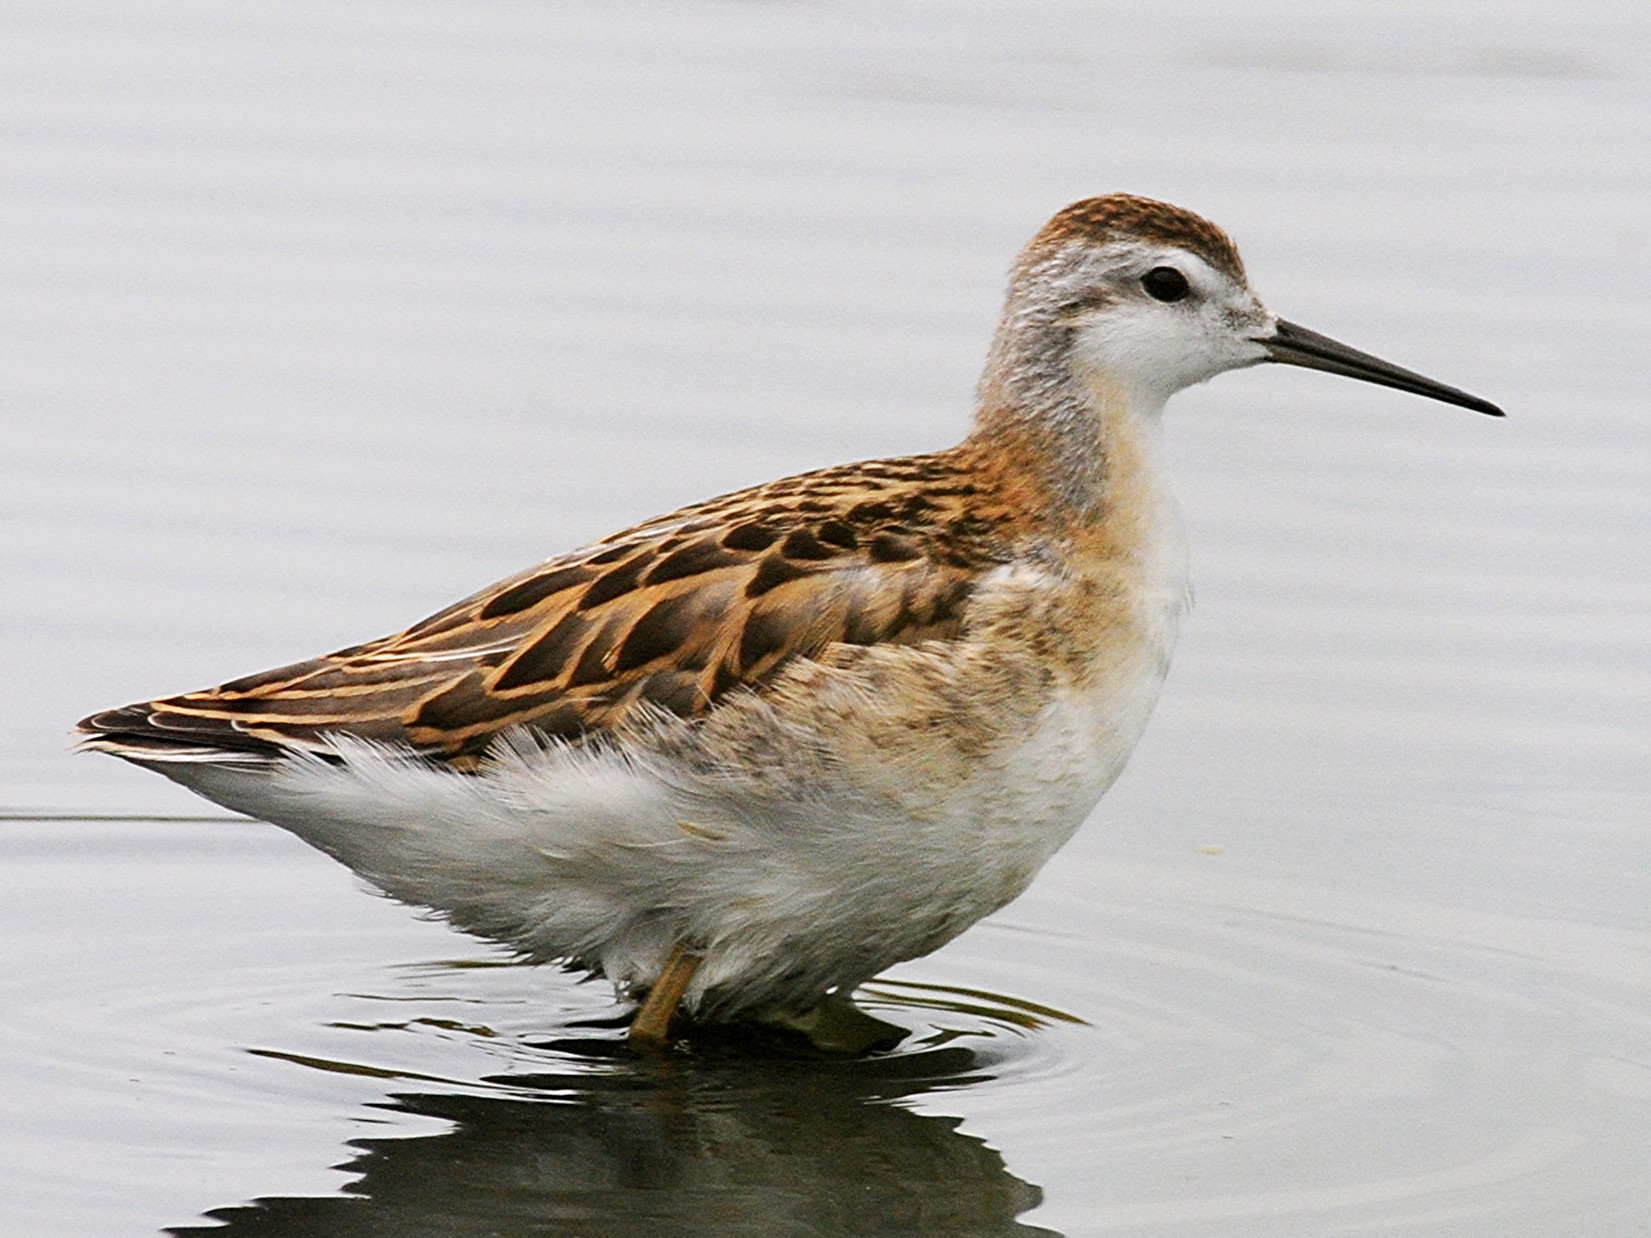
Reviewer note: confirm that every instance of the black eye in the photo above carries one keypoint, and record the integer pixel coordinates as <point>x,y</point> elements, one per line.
<point>1165,284</point>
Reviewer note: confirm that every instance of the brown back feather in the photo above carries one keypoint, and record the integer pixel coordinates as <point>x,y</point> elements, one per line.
<point>673,615</point>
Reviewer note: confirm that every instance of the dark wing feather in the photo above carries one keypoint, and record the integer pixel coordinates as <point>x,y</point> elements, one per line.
<point>671,615</point>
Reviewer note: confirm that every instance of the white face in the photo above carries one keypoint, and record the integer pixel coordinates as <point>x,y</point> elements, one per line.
<point>1160,319</point>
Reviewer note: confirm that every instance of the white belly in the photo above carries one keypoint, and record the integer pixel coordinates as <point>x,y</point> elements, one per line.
<point>613,861</point>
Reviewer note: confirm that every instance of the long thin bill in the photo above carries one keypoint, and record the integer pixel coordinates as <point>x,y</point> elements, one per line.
<point>1295,345</point>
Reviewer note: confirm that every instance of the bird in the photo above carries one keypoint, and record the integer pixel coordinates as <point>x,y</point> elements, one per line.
<point>741,758</point>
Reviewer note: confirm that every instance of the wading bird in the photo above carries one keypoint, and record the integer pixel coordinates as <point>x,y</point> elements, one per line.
<point>742,757</point>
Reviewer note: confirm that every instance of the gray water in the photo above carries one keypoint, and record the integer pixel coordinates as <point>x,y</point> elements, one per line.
<point>316,317</point>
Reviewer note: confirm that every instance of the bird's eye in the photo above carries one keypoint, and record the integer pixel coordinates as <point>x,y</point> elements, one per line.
<point>1165,284</point>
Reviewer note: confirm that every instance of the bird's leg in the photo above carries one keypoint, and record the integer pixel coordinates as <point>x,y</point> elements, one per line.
<point>653,1020</point>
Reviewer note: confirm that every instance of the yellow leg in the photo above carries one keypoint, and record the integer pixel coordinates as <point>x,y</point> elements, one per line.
<point>653,1021</point>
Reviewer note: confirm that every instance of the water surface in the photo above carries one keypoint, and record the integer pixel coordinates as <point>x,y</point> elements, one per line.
<point>320,317</point>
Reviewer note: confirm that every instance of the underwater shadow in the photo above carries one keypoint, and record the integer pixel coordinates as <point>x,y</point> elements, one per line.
<point>719,1143</point>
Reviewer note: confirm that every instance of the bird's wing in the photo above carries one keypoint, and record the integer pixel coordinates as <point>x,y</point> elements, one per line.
<point>672,614</point>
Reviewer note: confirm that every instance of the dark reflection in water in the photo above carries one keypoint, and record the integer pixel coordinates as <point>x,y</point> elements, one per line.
<point>715,1144</point>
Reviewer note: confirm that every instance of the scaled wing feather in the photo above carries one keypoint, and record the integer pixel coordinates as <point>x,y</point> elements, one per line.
<point>669,616</point>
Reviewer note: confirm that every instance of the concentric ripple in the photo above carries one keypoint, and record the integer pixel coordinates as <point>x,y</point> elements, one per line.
<point>1323,1059</point>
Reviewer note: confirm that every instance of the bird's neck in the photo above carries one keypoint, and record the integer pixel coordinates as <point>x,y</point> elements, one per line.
<point>1079,443</point>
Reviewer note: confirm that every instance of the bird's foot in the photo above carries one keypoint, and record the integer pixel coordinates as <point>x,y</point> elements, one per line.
<point>838,1027</point>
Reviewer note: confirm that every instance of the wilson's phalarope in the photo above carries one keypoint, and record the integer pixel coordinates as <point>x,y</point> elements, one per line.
<point>746,755</point>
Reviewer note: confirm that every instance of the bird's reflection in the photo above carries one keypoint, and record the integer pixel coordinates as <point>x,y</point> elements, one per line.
<point>720,1143</point>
